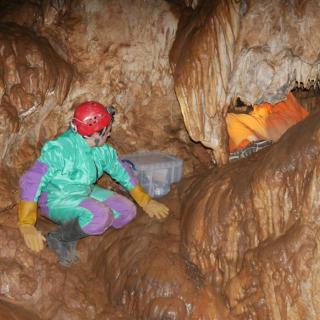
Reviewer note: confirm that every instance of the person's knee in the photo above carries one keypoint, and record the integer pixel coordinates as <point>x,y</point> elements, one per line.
<point>99,223</point>
<point>129,211</point>
<point>132,211</point>
<point>105,222</point>
<point>126,216</point>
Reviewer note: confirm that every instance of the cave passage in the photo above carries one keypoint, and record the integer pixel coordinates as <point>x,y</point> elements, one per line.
<point>229,87</point>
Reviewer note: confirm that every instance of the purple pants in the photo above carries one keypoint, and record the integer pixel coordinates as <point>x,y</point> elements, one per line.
<point>96,213</point>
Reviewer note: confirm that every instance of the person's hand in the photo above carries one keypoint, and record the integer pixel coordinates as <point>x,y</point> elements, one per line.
<point>32,237</point>
<point>155,209</point>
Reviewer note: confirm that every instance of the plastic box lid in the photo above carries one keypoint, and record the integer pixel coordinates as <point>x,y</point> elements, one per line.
<point>147,160</point>
<point>156,170</point>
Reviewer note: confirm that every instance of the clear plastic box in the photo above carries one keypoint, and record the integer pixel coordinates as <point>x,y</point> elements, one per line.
<point>156,171</point>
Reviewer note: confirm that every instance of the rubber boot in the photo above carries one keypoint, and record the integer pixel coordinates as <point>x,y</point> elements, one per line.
<point>64,241</point>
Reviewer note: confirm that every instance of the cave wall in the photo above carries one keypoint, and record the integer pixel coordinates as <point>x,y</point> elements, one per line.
<point>33,81</point>
<point>242,241</point>
<point>252,51</point>
<point>202,58</point>
<point>56,54</point>
<point>255,232</point>
<point>13,312</point>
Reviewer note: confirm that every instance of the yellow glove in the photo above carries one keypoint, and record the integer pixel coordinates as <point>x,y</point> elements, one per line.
<point>27,212</point>
<point>32,237</point>
<point>139,195</point>
<point>152,207</point>
<point>156,209</point>
<point>27,219</point>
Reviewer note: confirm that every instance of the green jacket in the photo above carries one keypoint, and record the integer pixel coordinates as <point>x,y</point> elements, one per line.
<point>68,168</point>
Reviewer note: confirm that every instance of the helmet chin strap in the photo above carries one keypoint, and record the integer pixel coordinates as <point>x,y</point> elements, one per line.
<point>73,127</point>
<point>102,133</point>
<point>96,142</point>
<point>112,110</point>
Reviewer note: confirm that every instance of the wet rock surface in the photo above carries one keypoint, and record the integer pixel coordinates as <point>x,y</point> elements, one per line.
<point>259,251</point>
<point>31,73</point>
<point>14,312</point>
<point>252,51</point>
<point>254,233</point>
<point>242,240</point>
<point>56,54</point>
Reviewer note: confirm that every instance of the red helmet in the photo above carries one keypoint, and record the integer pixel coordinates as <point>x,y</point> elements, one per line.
<point>90,117</point>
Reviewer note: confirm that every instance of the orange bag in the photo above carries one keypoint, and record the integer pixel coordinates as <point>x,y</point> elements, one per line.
<point>265,122</point>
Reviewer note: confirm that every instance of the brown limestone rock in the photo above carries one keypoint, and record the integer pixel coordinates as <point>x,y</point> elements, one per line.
<point>241,230</point>
<point>31,72</point>
<point>108,47</point>
<point>278,278</point>
<point>31,69</point>
<point>247,232</point>
<point>145,274</point>
<point>13,312</point>
<point>275,48</point>
<point>229,49</point>
<point>252,228</point>
<point>9,125</point>
<point>8,193</point>
<point>202,58</point>
<point>38,284</point>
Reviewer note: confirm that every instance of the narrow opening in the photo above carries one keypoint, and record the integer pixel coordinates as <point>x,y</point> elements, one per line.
<point>255,127</point>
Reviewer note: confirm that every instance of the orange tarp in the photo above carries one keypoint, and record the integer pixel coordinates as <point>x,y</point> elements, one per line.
<point>265,122</point>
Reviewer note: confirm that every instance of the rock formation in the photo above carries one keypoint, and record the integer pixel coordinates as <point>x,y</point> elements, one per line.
<point>229,49</point>
<point>242,239</point>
